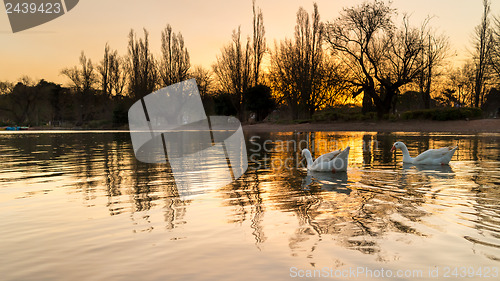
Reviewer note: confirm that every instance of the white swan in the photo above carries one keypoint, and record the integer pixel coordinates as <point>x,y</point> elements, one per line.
<point>440,156</point>
<point>335,161</point>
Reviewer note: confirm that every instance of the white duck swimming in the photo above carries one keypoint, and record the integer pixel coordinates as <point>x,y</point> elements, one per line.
<point>440,156</point>
<point>335,161</point>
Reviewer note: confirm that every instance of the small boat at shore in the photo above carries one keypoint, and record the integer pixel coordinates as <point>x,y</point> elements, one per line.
<point>15,128</point>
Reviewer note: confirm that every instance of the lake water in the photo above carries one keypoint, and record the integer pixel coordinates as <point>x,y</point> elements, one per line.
<point>78,206</point>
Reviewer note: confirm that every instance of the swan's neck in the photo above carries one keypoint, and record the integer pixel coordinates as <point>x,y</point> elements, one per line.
<point>406,155</point>
<point>309,160</point>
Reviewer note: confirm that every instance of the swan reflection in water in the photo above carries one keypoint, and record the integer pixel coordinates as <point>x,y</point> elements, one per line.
<point>336,182</point>
<point>436,171</point>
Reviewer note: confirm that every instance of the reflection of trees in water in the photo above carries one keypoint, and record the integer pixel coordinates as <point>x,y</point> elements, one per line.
<point>148,185</point>
<point>484,179</point>
<point>96,164</point>
<point>174,208</point>
<point>245,196</point>
<point>325,205</point>
<point>382,197</point>
<point>487,221</point>
<point>383,200</point>
<point>368,150</point>
<point>114,176</point>
<point>355,220</point>
<point>476,186</point>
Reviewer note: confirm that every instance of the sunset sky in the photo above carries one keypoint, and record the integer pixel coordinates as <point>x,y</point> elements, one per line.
<point>41,52</point>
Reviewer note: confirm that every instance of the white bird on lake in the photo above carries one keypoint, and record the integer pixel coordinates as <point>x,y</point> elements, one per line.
<point>440,156</point>
<point>335,161</point>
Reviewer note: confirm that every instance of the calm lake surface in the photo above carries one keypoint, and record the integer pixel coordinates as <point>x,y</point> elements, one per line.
<point>79,206</point>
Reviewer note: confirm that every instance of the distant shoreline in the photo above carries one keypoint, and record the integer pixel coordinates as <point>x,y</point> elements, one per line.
<point>456,126</point>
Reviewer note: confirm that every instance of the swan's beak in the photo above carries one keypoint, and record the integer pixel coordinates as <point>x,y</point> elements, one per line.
<point>393,148</point>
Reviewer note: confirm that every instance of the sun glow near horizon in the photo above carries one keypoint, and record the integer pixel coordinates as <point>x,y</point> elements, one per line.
<point>42,52</point>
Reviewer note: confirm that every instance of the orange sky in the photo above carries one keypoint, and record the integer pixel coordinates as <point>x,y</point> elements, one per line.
<point>42,52</point>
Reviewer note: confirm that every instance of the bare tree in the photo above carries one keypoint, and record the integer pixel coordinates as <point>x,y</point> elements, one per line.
<point>335,87</point>
<point>382,57</point>
<point>83,79</point>
<point>111,72</point>
<point>204,80</point>
<point>355,37</point>
<point>483,39</point>
<point>400,64</point>
<point>308,39</point>
<point>104,71</point>
<point>462,80</point>
<point>88,74</point>
<point>298,67</point>
<point>258,42</point>
<point>28,81</point>
<point>175,63</point>
<point>117,74</point>
<point>233,69</point>
<point>238,66</point>
<point>282,75</point>
<point>435,50</point>
<point>143,72</point>
<point>6,87</point>
<point>495,50</point>
<point>22,102</point>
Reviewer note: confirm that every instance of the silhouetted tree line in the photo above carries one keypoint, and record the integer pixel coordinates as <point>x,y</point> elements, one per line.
<point>364,56</point>
<point>27,103</point>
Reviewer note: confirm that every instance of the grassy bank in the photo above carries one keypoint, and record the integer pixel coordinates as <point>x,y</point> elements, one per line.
<point>418,126</point>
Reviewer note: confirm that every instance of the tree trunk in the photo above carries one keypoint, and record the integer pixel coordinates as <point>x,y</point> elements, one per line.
<point>477,92</point>
<point>294,107</point>
<point>427,99</point>
<point>385,106</point>
<point>367,103</point>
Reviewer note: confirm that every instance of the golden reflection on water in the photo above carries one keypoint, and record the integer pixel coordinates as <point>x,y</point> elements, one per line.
<point>378,195</point>
<point>378,208</point>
